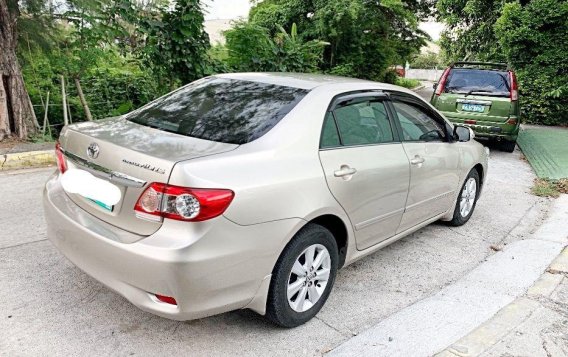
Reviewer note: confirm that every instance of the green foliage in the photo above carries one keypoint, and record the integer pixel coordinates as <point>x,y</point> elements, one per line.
<point>469,31</point>
<point>534,39</point>
<point>251,48</point>
<point>115,89</point>
<point>427,60</point>
<point>390,77</point>
<point>218,57</point>
<point>176,44</point>
<point>365,37</point>
<point>112,86</point>
<point>407,82</point>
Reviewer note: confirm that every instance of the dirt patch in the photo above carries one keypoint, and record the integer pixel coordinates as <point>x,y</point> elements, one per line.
<point>549,188</point>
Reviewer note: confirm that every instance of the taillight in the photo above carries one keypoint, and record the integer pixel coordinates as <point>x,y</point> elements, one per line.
<point>442,82</point>
<point>167,299</point>
<point>61,163</point>
<point>182,203</point>
<point>514,91</point>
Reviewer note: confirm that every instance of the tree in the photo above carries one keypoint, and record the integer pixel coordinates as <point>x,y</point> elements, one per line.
<point>16,112</point>
<point>176,44</point>
<point>365,36</point>
<point>427,60</point>
<point>534,40</point>
<point>469,31</point>
<point>251,48</point>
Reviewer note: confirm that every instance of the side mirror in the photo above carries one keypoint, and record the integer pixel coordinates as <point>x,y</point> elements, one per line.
<point>434,86</point>
<point>463,133</point>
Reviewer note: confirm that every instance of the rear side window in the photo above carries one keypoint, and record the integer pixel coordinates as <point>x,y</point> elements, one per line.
<point>478,81</point>
<point>329,136</point>
<point>363,123</point>
<point>220,109</point>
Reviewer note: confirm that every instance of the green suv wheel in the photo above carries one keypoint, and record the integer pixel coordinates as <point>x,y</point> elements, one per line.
<point>508,146</point>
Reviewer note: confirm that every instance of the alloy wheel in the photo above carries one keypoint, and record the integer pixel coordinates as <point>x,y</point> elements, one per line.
<point>468,196</point>
<point>308,278</point>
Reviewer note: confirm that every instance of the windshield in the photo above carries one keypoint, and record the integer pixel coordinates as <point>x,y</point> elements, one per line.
<point>219,109</point>
<point>478,81</point>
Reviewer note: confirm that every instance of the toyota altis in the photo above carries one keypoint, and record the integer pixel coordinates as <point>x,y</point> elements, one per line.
<point>252,190</point>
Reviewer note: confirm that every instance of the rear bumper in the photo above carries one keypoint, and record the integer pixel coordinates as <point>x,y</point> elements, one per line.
<point>485,127</point>
<point>208,267</point>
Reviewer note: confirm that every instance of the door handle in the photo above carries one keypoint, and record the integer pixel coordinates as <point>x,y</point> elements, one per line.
<point>417,160</point>
<point>344,171</point>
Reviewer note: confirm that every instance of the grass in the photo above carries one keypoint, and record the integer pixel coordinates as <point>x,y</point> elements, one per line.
<point>407,82</point>
<point>549,188</point>
<point>39,138</point>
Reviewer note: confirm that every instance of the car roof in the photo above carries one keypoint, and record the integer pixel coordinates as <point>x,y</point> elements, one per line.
<point>302,80</point>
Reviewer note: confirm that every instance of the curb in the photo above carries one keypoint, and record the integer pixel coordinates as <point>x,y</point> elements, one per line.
<point>27,160</point>
<point>508,318</point>
<point>418,88</point>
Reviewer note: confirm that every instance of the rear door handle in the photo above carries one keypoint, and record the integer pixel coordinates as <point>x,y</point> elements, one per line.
<point>417,160</point>
<point>344,171</point>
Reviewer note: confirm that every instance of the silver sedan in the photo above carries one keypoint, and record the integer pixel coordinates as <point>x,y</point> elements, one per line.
<point>252,190</point>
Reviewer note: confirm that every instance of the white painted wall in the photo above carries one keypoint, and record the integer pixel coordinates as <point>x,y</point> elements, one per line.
<point>424,74</point>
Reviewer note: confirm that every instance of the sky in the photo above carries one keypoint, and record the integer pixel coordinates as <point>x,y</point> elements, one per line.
<point>232,9</point>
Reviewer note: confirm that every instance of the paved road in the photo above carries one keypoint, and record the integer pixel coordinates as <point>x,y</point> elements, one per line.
<point>47,306</point>
<point>427,91</point>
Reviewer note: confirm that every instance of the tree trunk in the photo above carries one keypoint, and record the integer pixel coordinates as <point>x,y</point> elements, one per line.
<point>16,112</point>
<point>83,100</point>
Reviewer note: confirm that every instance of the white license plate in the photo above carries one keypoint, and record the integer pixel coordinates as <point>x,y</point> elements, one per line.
<point>473,108</point>
<point>101,204</point>
<point>101,192</point>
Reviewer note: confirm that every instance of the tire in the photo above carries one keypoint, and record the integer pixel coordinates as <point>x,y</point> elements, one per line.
<point>279,307</point>
<point>508,146</point>
<point>459,217</point>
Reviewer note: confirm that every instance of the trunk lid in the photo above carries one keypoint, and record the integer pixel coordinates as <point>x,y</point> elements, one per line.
<point>130,156</point>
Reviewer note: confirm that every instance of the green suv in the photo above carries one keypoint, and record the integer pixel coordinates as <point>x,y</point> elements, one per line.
<point>483,96</point>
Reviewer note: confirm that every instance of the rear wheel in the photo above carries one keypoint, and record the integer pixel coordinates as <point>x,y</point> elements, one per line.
<point>467,199</point>
<point>303,277</point>
<point>508,146</point>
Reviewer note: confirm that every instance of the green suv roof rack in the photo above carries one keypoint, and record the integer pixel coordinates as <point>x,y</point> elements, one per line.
<point>493,65</point>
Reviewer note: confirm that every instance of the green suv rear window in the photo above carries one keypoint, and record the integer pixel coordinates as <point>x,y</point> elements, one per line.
<point>478,81</point>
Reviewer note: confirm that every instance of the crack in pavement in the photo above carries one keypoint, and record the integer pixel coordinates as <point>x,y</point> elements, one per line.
<point>21,244</point>
<point>348,334</point>
<point>550,304</point>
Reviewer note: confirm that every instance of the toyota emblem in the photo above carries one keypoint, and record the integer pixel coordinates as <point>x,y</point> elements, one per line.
<point>93,151</point>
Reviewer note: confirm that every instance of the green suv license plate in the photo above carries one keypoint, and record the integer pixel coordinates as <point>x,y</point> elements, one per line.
<point>473,108</point>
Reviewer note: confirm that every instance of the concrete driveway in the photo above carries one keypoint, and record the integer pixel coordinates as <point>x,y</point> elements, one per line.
<point>49,307</point>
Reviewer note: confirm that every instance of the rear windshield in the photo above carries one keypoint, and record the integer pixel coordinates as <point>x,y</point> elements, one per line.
<point>478,81</point>
<point>220,109</point>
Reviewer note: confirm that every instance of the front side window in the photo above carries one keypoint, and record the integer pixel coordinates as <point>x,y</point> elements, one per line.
<point>220,109</point>
<point>363,123</point>
<point>417,124</point>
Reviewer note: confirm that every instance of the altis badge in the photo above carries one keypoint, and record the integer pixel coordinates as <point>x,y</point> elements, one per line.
<point>145,166</point>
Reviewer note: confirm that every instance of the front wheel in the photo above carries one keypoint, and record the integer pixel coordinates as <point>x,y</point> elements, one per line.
<point>303,277</point>
<point>467,199</point>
